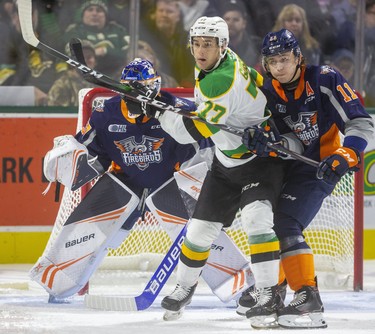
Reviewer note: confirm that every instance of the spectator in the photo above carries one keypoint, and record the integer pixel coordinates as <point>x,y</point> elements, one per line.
<point>260,18</point>
<point>64,92</point>
<point>245,45</point>
<point>345,10</point>
<point>13,52</point>
<point>44,68</point>
<point>343,61</point>
<point>110,39</point>
<point>192,10</point>
<point>293,18</point>
<point>68,12</point>
<point>19,66</point>
<point>321,22</point>
<point>119,12</point>
<point>346,39</point>
<point>145,51</point>
<point>164,31</point>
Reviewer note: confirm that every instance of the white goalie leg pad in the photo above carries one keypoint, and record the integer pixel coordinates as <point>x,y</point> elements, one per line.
<point>191,179</point>
<point>227,271</point>
<point>74,255</point>
<point>68,163</point>
<point>168,208</point>
<point>257,221</point>
<point>119,238</point>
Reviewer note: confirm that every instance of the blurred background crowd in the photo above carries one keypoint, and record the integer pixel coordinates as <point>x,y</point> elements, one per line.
<point>113,32</point>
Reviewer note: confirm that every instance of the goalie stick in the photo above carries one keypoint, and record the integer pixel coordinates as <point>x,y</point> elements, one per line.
<point>134,91</point>
<point>150,292</point>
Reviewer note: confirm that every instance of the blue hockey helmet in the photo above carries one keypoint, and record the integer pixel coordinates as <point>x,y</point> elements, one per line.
<point>280,42</point>
<point>143,71</point>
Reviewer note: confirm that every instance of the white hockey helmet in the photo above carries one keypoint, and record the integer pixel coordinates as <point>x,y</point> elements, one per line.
<point>211,27</point>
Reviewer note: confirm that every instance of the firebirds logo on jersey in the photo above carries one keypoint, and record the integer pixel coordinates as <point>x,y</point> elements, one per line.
<point>140,154</point>
<point>306,126</point>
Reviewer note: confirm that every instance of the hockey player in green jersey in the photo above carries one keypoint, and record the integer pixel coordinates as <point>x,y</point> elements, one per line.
<point>226,93</point>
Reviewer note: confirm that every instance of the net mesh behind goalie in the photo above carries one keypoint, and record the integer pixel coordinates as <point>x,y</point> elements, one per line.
<point>330,235</point>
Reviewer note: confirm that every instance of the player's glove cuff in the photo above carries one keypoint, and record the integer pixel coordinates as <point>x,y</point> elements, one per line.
<point>351,155</point>
<point>335,166</point>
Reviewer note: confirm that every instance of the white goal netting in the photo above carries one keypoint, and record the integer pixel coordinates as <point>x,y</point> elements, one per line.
<point>330,235</point>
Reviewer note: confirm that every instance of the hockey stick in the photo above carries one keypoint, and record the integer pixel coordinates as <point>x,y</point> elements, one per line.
<point>25,17</point>
<point>150,292</point>
<point>76,49</point>
<point>134,90</point>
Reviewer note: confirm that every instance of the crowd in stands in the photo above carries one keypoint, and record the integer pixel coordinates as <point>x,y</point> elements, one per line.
<point>325,29</point>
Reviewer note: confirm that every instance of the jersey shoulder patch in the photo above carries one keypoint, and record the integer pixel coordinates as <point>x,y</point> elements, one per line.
<point>105,109</point>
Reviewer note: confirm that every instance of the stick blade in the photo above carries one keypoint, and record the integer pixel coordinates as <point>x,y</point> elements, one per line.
<point>75,45</point>
<point>26,22</point>
<point>111,303</point>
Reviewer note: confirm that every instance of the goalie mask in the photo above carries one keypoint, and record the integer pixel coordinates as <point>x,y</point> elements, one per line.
<point>142,70</point>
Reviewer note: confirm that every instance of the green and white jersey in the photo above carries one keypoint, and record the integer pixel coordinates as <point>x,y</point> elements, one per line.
<point>228,95</point>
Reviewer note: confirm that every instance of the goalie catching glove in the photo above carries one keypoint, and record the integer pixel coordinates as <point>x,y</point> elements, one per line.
<point>335,166</point>
<point>68,163</point>
<point>256,139</point>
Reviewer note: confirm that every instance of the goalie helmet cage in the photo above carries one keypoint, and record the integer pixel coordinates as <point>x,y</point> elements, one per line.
<point>335,235</point>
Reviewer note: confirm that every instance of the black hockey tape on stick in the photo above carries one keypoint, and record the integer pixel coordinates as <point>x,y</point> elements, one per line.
<point>57,191</point>
<point>133,91</point>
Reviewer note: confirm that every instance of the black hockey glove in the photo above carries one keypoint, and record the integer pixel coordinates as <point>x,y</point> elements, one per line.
<point>335,166</point>
<point>256,140</point>
<point>135,108</point>
<point>139,108</point>
<point>152,111</point>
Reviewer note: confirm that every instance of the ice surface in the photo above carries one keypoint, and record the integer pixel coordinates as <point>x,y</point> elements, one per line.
<point>24,309</point>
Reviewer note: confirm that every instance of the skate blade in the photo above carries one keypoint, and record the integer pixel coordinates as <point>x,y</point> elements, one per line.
<point>173,315</point>
<point>305,321</point>
<point>264,321</point>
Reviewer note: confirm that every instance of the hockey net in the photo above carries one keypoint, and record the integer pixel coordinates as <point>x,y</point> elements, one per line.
<point>331,235</point>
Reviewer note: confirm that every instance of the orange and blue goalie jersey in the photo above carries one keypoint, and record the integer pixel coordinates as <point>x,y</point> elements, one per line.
<point>137,147</point>
<point>322,105</point>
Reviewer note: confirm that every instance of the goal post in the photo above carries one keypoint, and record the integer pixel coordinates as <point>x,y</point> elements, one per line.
<point>335,235</point>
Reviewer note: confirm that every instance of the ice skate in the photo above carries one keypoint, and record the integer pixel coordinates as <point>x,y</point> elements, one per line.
<point>248,299</point>
<point>264,313</point>
<point>304,311</point>
<point>175,303</point>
